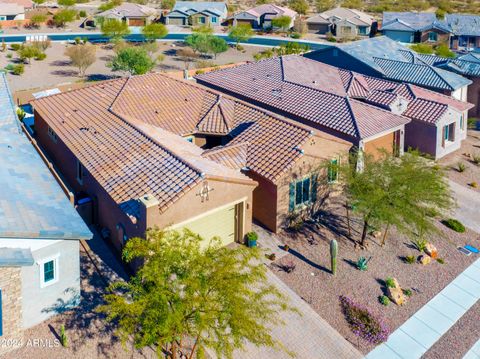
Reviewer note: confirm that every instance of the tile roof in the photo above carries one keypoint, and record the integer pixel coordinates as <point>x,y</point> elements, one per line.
<point>412,21</point>
<point>471,56</point>
<point>307,89</point>
<point>425,110</point>
<point>354,16</point>
<point>32,204</point>
<point>233,156</point>
<point>127,136</point>
<point>7,9</point>
<point>271,9</point>
<point>215,7</point>
<point>463,65</point>
<point>326,95</point>
<point>464,24</point>
<point>128,10</point>
<point>394,61</point>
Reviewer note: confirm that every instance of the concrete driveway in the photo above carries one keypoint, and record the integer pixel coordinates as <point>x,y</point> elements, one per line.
<point>468,201</point>
<point>307,336</point>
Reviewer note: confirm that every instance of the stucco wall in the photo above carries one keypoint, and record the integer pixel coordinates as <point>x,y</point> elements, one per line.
<point>10,284</point>
<point>421,136</point>
<point>401,36</point>
<point>41,303</point>
<point>442,37</point>
<point>473,96</point>
<point>376,146</point>
<point>460,134</point>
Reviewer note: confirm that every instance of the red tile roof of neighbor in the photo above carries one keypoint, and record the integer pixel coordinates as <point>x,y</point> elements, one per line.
<point>326,95</point>
<point>27,4</point>
<point>121,131</point>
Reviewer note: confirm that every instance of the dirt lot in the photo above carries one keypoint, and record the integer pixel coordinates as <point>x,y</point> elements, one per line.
<point>470,147</point>
<point>56,69</point>
<point>322,289</point>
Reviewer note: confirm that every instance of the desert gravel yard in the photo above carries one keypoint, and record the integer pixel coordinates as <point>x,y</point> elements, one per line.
<point>470,149</point>
<point>313,281</point>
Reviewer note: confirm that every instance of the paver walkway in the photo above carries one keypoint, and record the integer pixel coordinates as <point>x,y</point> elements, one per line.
<point>474,352</point>
<point>468,202</point>
<point>308,336</point>
<point>434,319</point>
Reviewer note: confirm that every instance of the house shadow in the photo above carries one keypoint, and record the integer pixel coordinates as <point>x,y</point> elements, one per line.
<point>300,256</point>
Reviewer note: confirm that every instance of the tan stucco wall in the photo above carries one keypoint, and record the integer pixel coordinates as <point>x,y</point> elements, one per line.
<point>11,286</point>
<point>191,205</point>
<point>385,142</point>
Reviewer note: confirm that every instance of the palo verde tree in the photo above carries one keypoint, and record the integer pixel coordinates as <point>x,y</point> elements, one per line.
<point>154,31</point>
<point>240,33</point>
<point>189,296</point>
<point>282,22</point>
<point>114,29</point>
<point>82,56</point>
<point>407,192</point>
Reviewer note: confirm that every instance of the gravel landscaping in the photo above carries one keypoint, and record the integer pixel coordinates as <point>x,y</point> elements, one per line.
<point>470,146</point>
<point>56,69</point>
<point>313,281</point>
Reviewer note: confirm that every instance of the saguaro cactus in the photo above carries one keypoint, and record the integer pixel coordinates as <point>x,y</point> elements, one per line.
<point>333,255</point>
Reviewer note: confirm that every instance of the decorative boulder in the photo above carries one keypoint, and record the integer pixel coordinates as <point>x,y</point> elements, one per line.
<point>424,259</point>
<point>431,250</point>
<point>396,295</point>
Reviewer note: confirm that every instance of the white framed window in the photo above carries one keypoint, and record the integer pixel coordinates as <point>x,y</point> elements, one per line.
<point>49,271</point>
<point>80,172</point>
<point>449,133</point>
<point>52,134</point>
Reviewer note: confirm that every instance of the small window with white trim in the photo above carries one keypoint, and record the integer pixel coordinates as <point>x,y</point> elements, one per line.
<point>48,271</point>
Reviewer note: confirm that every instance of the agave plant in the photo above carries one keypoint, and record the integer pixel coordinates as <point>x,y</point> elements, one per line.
<point>362,263</point>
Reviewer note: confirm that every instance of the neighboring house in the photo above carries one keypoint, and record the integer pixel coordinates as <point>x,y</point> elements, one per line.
<point>467,65</point>
<point>385,58</point>
<point>197,13</point>
<point>315,95</point>
<point>415,27</point>
<point>341,22</point>
<point>260,17</point>
<point>145,151</point>
<point>132,14</point>
<point>371,113</point>
<point>11,11</point>
<point>466,31</point>
<point>39,234</point>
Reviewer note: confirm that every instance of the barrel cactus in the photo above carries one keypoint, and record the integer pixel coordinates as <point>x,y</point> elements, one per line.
<point>333,255</point>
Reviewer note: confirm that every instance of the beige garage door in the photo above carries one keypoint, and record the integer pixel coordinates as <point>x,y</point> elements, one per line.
<point>176,21</point>
<point>220,223</point>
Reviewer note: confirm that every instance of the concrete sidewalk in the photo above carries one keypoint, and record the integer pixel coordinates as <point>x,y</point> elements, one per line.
<point>426,326</point>
<point>468,211</point>
<point>308,336</point>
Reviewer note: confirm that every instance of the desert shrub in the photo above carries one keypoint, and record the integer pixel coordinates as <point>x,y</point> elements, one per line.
<point>476,158</point>
<point>461,167</point>
<point>410,259</point>
<point>384,300</point>
<point>390,283</point>
<point>420,244</point>
<point>82,13</point>
<point>204,64</point>
<point>41,56</point>
<point>474,184</point>
<point>295,35</point>
<point>471,122</point>
<point>288,267</point>
<point>441,260</point>
<point>16,47</point>
<point>9,56</point>
<point>18,69</point>
<point>407,292</point>
<point>9,67</point>
<point>454,225</point>
<point>363,323</point>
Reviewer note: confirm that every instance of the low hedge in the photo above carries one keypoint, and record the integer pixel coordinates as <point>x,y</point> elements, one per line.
<point>454,225</point>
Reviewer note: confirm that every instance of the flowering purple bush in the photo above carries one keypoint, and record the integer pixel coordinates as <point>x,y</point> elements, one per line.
<point>363,323</point>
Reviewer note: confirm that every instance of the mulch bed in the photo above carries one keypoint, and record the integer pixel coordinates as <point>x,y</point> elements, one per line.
<point>323,289</point>
<point>470,146</point>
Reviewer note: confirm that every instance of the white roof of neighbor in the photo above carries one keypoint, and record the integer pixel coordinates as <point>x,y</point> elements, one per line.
<point>354,16</point>
<point>199,6</point>
<point>11,9</point>
<point>48,92</point>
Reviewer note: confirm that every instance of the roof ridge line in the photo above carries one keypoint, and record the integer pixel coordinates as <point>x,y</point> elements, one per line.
<point>350,109</point>
<point>440,76</point>
<point>224,147</point>
<point>216,103</point>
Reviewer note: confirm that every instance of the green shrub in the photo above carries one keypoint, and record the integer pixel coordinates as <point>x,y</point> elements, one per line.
<point>441,260</point>
<point>82,13</point>
<point>474,184</point>
<point>407,292</point>
<point>9,67</point>
<point>16,47</point>
<point>63,337</point>
<point>240,48</point>
<point>454,225</point>
<point>471,122</point>
<point>41,56</point>
<point>420,244</point>
<point>390,283</point>
<point>18,69</point>
<point>410,259</point>
<point>362,263</point>
<point>476,158</point>
<point>384,300</point>
<point>9,56</point>
<point>461,167</point>
<point>295,35</point>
